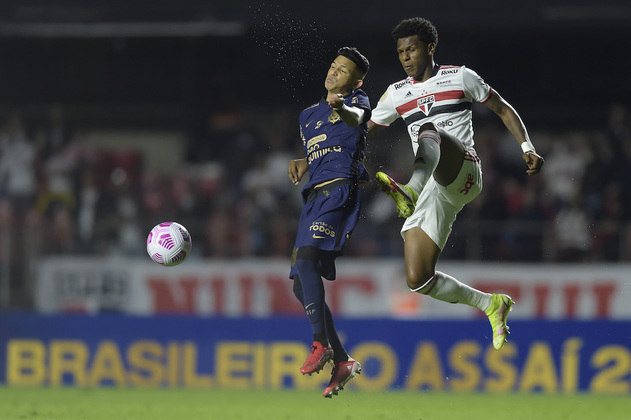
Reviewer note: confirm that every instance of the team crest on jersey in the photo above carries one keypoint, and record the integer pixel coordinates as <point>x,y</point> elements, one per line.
<point>425,104</point>
<point>334,117</point>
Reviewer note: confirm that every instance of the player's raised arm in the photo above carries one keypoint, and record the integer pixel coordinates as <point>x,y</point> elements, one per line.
<point>351,115</point>
<point>515,125</point>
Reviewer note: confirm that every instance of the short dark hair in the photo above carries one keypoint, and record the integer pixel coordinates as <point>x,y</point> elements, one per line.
<point>422,27</point>
<point>356,57</point>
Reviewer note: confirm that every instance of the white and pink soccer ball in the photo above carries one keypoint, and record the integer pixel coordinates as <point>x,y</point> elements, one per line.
<point>169,244</point>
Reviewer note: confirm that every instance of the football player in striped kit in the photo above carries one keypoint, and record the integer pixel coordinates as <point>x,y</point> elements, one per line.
<point>435,102</point>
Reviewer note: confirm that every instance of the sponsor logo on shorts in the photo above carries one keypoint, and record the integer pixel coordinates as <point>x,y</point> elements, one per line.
<point>443,124</point>
<point>467,185</point>
<point>321,230</point>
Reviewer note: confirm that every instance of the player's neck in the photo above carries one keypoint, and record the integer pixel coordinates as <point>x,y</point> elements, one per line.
<point>427,72</point>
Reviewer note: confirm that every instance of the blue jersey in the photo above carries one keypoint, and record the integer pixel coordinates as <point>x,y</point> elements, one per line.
<point>333,148</point>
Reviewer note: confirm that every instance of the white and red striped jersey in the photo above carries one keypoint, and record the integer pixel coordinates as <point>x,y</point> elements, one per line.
<point>444,99</point>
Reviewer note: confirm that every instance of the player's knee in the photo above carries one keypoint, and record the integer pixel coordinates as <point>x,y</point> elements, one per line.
<point>429,133</point>
<point>416,278</point>
<point>427,126</point>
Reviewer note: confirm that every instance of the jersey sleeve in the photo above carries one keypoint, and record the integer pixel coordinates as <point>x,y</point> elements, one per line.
<point>474,86</point>
<point>385,113</point>
<point>360,100</point>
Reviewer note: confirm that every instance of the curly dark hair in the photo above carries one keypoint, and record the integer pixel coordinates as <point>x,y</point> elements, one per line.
<point>356,57</point>
<point>422,27</point>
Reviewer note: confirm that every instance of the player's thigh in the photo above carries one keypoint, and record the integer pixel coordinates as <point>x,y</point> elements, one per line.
<point>421,255</point>
<point>467,185</point>
<point>433,214</point>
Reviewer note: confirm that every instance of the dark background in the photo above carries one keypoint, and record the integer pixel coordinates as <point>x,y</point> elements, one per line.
<point>560,63</point>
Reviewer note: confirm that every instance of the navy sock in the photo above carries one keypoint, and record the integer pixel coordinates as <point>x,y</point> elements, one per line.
<point>299,295</point>
<point>339,354</point>
<point>313,298</point>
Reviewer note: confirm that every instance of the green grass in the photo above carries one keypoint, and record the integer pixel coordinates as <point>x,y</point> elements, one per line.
<point>158,404</point>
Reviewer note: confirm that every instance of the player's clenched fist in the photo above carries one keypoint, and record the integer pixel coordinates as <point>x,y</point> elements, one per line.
<point>335,101</point>
<point>534,162</point>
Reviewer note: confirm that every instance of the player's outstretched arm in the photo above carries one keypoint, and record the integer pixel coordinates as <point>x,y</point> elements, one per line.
<point>351,115</point>
<point>297,168</point>
<point>515,125</point>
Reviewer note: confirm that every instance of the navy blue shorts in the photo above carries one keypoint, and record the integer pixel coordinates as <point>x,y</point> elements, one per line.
<point>328,217</point>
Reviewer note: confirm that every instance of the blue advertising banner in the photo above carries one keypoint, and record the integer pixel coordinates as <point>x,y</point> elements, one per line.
<point>172,351</point>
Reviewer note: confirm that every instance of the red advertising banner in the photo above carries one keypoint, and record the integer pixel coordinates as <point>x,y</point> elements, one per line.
<point>375,288</point>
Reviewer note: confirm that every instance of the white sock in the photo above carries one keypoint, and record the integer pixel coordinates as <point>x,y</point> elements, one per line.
<point>427,157</point>
<point>446,288</point>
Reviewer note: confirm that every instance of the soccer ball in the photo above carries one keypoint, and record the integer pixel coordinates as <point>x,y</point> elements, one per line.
<point>169,244</point>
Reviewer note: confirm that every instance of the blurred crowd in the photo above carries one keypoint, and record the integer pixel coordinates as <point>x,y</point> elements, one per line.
<point>60,194</point>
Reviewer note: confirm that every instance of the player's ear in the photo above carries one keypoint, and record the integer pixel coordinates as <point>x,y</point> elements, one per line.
<point>358,84</point>
<point>431,48</point>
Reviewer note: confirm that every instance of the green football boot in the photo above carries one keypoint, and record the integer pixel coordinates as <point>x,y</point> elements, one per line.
<point>404,197</point>
<point>498,313</point>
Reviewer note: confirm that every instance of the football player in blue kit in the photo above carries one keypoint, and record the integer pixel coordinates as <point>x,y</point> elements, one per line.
<point>333,133</point>
<point>435,101</point>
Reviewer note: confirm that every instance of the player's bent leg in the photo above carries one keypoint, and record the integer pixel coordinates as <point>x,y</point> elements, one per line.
<point>404,196</point>
<point>497,312</point>
<point>341,374</point>
<point>421,256</point>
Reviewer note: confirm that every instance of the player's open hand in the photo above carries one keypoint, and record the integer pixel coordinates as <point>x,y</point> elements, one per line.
<point>533,161</point>
<point>297,168</point>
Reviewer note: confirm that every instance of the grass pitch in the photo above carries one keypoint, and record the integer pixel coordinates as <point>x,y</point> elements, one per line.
<point>158,404</point>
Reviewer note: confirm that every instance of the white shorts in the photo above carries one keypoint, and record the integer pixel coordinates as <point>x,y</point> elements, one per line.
<point>437,206</point>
